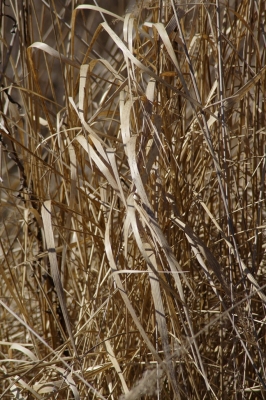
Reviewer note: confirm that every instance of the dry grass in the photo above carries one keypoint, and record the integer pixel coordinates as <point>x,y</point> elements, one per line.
<point>133,216</point>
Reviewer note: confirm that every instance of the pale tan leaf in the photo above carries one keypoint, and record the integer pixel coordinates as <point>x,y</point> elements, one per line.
<point>24,350</point>
<point>98,9</point>
<point>52,52</point>
<point>109,253</point>
<point>49,236</point>
<point>101,164</point>
<point>116,365</point>
<point>111,157</point>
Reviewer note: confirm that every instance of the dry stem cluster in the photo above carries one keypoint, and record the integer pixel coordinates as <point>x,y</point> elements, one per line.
<point>132,209</point>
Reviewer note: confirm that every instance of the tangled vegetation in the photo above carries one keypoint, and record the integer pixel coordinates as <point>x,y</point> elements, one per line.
<point>132,207</point>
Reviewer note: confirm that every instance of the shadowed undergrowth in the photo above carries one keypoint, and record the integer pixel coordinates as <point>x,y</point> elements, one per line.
<point>133,160</point>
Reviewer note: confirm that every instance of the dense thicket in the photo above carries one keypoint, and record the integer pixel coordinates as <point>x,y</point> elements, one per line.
<point>132,206</point>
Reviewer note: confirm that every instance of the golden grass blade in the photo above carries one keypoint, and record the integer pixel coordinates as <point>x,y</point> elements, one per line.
<point>129,25</point>
<point>111,157</point>
<point>49,236</point>
<point>198,244</point>
<point>48,387</point>
<point>131,153</point>
<point>85,71</point>
<point>152,224</point>
<point>116,365</point>
<point>101,164</point>
<point>161,317</point>
<point>71,201</point>
<point>52,52</point>
<point>24,350</point>
<point>125,109</point>
<point>124,296</point>
<point>99,9</point>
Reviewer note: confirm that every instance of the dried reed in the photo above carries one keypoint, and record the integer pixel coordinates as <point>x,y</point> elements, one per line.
<point>133,200</point>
